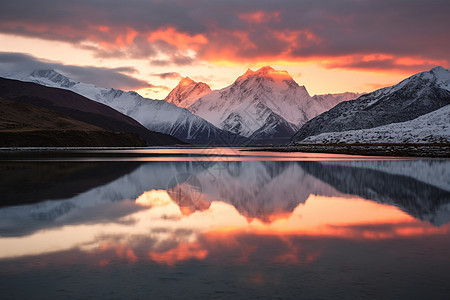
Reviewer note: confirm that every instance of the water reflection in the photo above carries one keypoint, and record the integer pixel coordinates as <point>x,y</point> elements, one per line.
<point>251,221</point>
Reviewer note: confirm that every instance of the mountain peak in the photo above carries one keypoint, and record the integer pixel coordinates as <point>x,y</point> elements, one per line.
<point>186,81</point>
<point>267,72</point>
<point>52,76</point>
<point>44,73</point>
<point>441,72</point>
<point>438,69</point>
<point>187,92</point>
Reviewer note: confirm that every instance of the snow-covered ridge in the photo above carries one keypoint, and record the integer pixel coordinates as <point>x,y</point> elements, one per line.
<point>433,127</point>
<point>156,115</point>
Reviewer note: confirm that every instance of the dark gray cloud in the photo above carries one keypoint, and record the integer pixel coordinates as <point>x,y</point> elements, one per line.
<point>177,60</point>
<point>168,75</point>
<point>103,77</point>
<point>300,30</point>
<point>379,64</point>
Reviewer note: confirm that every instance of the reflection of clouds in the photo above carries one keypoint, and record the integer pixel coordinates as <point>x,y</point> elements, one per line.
<point>229,239</point>
<point>266,191</point>
<point>257,197</point>
<point>387,230</point>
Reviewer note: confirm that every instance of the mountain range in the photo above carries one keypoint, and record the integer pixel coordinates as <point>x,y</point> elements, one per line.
<point>263,105</point>
<point>268,106</point>
<point>155,115</point>
<point>36,115</point>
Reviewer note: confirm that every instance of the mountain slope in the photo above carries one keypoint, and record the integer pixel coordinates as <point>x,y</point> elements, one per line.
<point>79,108</point>
<point>155,115</point>
<point>187,92</point>
<point>26,125</point>
<point>433,127</point>
<point>256,101</point>
<point>415,96</point>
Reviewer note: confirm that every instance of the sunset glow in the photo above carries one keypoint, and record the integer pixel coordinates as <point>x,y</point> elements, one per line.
<point>325,47</point>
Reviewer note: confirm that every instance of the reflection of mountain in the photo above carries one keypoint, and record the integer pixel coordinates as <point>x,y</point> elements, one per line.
<point>94,200</point>
<point>261,190</point>
<point>29,182</point>
<point>258,190</point>
<point>418,198</point>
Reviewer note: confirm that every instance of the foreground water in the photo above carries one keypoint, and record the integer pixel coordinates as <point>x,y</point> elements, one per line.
<point>219,223</point>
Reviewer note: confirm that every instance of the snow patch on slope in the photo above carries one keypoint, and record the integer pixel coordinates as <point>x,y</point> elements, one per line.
<point>429,128</point>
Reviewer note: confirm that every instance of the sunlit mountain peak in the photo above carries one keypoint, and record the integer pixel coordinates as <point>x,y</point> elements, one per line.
<point>266,72</point>
<point>186,81</point>
<point>187,92</point>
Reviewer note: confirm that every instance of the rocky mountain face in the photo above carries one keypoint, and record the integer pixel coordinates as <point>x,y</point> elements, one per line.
<point>413,97</point>
<point>187,92</point>
<point>155,115</point>
<point>262,104</point>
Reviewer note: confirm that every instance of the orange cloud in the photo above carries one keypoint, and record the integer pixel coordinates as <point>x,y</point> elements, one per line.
<point>260,17</point>
<point>181,40</point>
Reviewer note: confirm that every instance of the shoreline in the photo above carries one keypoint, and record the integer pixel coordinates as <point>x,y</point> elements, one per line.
<point>394,150</point>
<point>400,150</point>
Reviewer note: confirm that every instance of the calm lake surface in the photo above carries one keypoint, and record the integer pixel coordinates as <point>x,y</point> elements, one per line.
<point>221,223</point>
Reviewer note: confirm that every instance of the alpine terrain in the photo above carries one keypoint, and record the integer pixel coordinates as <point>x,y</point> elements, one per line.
<point>415,109</point>
<point>263,104</point>
<point>36,115</point>
<point>155,115</point>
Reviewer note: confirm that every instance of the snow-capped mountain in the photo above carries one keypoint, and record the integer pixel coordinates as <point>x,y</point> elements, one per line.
<point>433,127</point>
<point>413,97</point>
<point>261,104</point>
<point>156,115</point>
<point>187,92</point>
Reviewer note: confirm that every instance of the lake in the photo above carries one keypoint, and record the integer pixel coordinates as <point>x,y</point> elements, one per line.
<point>219,223</point>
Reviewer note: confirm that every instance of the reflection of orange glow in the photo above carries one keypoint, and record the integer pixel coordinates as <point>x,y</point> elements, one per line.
<point>122,251</point>
<point>103,262</point>
<point>400,229</point>
<point>257,278</point>
<point>154,198</point>
<point>180,253</point>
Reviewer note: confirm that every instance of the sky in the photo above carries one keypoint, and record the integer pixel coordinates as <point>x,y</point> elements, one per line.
<point>148,46</point>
